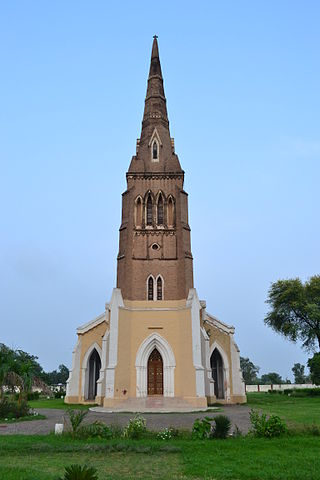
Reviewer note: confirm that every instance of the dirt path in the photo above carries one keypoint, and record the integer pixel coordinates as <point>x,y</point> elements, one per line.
<point>239,416</point>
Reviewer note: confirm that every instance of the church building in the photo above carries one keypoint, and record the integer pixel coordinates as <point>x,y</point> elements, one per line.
<point>155,343</point>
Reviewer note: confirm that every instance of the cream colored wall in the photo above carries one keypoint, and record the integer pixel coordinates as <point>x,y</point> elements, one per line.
<point>87,339</point>
<point>172,321</point>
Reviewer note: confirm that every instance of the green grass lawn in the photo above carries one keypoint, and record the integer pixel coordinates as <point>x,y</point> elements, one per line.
<point>294,410</point>
<point>44,458</point>
<point>56,403</point>
<point>28,418</point>
<point>241,458</point>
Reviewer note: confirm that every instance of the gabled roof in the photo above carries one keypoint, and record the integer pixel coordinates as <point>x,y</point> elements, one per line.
<point>92,324</point>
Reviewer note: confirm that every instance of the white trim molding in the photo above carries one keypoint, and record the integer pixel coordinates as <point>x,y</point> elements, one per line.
<point>155,138</point>
<point>92,324</point>
<point>194,304</point>
<point>115,303</point>
<point>226,367</point>
<point>147,346</point>
<point>85,369</point>
<point>74,375</point>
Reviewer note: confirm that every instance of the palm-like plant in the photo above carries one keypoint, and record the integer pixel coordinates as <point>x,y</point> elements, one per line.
<point>77,472</point>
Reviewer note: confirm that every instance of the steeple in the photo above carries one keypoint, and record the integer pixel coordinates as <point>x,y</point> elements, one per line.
<point>154,259</point>
<point>155,148</point>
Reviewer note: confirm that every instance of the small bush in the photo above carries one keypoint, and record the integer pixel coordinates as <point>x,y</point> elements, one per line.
<point>266,427</point>
<point>288,391</point>
<point>136,427</point>
<point>59,394</point>
<point>95,430</point>
<point>76,417</point>
<point>201,428</point>
<point>11,409</point>
<point>165,434</point>
<point>221,427</point>
<point>29,396</point>
<point>77,472</point>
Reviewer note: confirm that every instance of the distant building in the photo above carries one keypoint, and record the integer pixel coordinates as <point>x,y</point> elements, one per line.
<point>155,340</point>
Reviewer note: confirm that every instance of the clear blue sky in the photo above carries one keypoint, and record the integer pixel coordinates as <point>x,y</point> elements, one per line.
<point>242,83</point>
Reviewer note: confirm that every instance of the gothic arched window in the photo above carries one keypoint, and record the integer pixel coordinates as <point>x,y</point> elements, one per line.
<point>159,288</point>
<point>150,288</point>
<point>149,210</point>
<point>139,212</point>
<point>155,150</point>
<point>160,210</point>
<point>170,215</point>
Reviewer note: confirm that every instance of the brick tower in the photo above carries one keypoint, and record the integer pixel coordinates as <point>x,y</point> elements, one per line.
<point>155,260</point>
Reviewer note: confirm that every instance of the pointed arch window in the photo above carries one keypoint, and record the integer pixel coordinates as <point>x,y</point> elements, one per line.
<point>155,150</point>
<point>149,210</point>
<point>160,210</point>
<point>139,212</point>
<point>150,288</point>
<point>170,215</point>
<point>159,288</point>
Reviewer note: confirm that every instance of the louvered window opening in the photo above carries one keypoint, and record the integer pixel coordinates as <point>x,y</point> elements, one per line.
<point>160,211</point>
<point>155,151</point>
<point>149,211</point>
<point>150,288</point>
<point>159,288</point>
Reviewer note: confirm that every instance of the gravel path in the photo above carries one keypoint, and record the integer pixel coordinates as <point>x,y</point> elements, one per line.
<point>239,416</point>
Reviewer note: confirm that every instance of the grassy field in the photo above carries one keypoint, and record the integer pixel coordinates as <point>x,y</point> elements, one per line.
<point>44,458</point>
<point>56,403</point>
<point>294,410</point>
<point>241,458</point>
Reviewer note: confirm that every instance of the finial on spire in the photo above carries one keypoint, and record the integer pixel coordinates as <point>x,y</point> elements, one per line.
<point>155,36</point>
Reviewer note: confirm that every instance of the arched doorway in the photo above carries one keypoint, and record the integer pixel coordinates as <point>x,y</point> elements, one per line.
<point>217,369</point>
<point>94,365</point>
<point>155,373</point>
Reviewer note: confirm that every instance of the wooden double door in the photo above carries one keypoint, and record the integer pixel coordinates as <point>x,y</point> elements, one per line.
<point>155,373</point>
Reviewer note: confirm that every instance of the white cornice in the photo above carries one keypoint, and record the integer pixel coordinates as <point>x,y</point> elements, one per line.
<point>215,322</point>
<point>92,324</point>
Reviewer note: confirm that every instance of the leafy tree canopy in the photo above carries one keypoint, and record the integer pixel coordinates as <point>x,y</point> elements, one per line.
<point>298,372</point>
<point>249,371</point>
<point>314,367</point>
<point>295,310</point>
<point>272,378</point>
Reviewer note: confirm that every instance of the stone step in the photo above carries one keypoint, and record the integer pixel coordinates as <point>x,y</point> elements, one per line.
<point>152,404</point>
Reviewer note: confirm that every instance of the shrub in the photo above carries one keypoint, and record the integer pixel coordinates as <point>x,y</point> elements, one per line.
<point>76,417</point>
<point>221,427</point>
<point>266,427</point>
<point>12,409</point>
<point>201,428</point>
<point>77,472</point>
<point>136,427</point>
<point>95,430</point>
<point>165,434</point>
<point>59,394</point>
<point>288,391</point>
<point>29,396</point>
<point>302,392</point>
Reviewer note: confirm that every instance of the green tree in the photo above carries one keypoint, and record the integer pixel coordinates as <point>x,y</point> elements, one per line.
<point>314,367</point>
<point>60,376</point>
<point>295,310</point>
<point>249,371</point>
<point>298,372</point>
<point>272,378</point>
<point>18,369</point>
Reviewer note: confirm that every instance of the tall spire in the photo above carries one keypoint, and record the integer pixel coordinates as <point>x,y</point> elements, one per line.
<point>155,123</point>
<point>155,103</point>
<point>155,67</point>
